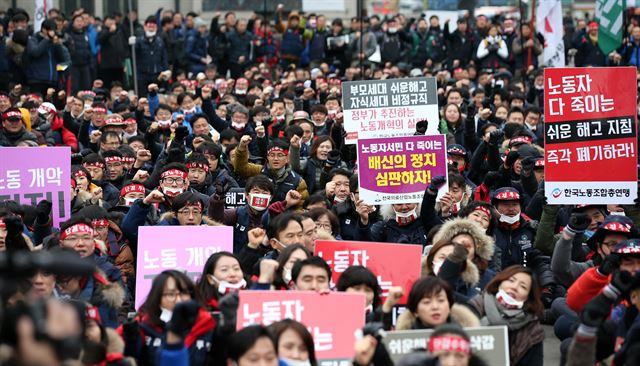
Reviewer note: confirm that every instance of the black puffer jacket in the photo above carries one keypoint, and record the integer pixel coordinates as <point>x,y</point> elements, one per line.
<point>388,230</point>
<point>79,47</point>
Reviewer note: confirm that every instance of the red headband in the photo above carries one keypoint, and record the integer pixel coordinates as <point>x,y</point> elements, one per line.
<point>100,222</point>
<point>11,114</point>
<point>539,163</point>
<point>520,139</point>
<point>278,149</point>
<point>4,96</point>
<point>113,159</point>
<point>80,173</point>
<point>130,121</point>
<point>174,172</point>
<point>456,150</point>
<point>132,188</point>
<point>97,164</point>
<point>197,204</point>
<point>450,343</point>
<point>2,224</point>
<point>99,110</point>
<point>77,228</point>
<point>86,92</point>
<point>483,209</point>
<point>114,119</point>
<point>195,165</point>
<point>92,313</point>
<point>617,227</point>
<point>508,195</point>
<point>34,96</point>
<point>128,159</point>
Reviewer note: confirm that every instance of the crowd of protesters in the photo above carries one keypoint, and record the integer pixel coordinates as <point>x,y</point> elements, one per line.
<point>256,104</point>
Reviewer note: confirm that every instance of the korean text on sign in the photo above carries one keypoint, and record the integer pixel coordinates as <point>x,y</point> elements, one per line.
<point>29,175</point>
<point>332,334</point>
<point>186,248</point>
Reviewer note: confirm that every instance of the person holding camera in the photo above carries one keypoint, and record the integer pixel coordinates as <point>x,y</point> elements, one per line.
<point>44,51</point>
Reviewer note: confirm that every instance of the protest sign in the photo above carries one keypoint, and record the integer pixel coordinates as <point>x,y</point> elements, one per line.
<point>393,264</point>
<point>491,343</point>
<point>176,247</point>
<point>399,169</point>
<point>29,175</point>
<point>332,331</point>
<point>388,108</point>
<point>235,197</point>
<point>590,135</point>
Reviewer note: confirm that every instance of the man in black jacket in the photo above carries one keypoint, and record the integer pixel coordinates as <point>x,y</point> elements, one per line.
<point>80,55</point>
<point>113,51</point>
<point>151,54</point>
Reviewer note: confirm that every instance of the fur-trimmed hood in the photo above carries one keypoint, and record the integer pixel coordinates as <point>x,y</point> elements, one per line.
<point>387,212</point>
<point>466,198</point>
<point>459,314</point>
<point>112,293</point>
<point>452,228</point>
<point>169,216</point>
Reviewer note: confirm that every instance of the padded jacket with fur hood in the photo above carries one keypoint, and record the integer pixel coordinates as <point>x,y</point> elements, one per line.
<point>466,280</point>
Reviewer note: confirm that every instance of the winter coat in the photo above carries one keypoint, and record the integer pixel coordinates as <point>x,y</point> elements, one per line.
<point>197,46</point>
<point>459,314</point>
<point>565,270</point>
<point>170,219</point>
<point>351,227</point>
<point>107,296</point>
<point>525,344</point>
<point>151,338</point>
<point>317,44</point>
<point>42,58</point>
<point>119,254</point>
<point>79,48</point>
<point>287,181</point>
<point>387,230</point>
<point>151,55</point>
<point>492,53</point>
<point>585,288</point>
<point>241,218</point>
<point>392,48</point>
<point>460,46</point>
<point>631,54</point>
<point>113,48</point>
<point>469,281</point>
<point>239,45</point>
<point>589,53</point>
<point>62,136</point>
<point>11,139</point>
<point>520,53</point>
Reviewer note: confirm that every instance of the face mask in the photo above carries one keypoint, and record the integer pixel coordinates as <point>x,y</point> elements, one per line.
<point>617,213</point>
<point>225,287</point>
<point>406,218</point>
<point>280,118</point>
<point>286,276</point>
<point>437,266</point>
<point>129,201</point>
<point>165,315</point>
<point>319,124</point>
<point>237,125</point>
<point>290,362</point>
<point>258,201</point>
<point>241,91</point>
<point>510,219</point>
<point>129,135</point>
<point>332,112</point>
<point>337,199</point>
<point>508,301</point>
<point>393,30</point>
<point>150,34</point>
<point>164,124</point>
<point>190,111</point>
<point>172,192</point>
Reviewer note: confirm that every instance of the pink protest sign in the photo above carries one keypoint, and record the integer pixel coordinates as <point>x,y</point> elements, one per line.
<point>29,175</point>
<point>185,248</point>
<point>393,264</point>
<point>399,169</point>
<point>331,318</point>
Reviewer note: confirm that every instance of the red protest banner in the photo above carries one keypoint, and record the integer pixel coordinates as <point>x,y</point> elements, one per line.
<point>332,331</point>
<point>393,264</point>
<point>590,135</point>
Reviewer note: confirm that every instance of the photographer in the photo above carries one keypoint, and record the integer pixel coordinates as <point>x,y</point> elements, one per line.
<point>44,52</point>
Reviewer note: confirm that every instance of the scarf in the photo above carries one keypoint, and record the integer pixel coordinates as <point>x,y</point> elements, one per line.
<point>496,314</point>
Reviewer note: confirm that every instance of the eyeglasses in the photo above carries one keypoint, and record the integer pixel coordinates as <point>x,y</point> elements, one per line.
<point>187,212</point>
<point>76,240</point>
<point>172,296</point>
<point>326,227</point>
<point>170,180</point>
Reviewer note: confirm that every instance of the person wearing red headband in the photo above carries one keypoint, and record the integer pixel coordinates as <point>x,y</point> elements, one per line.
<point>13,129</point>
<point>276,168</point>
<point>96,166</point>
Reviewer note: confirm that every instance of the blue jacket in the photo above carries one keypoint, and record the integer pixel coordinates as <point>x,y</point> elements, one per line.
<point>43,56</point>
<point>292,43</point>
<point>151,55</point>
<point>197,47</point>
